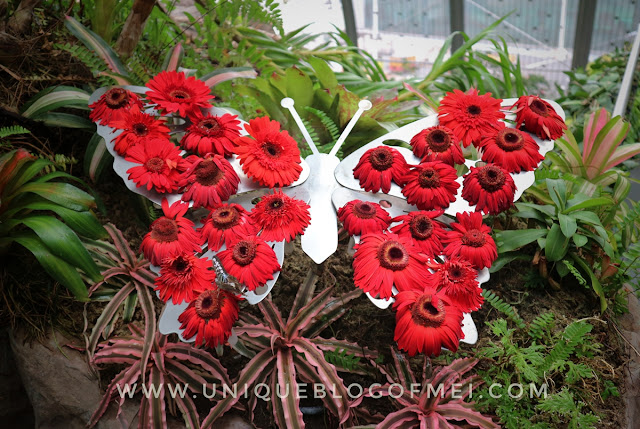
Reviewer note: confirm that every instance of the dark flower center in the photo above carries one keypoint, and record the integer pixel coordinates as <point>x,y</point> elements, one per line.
<point>474,110</point>
<point>393,255</point>
<point>225,217</point>
<point>207,173</point>
<point>425,313</point>
<point>244,251</point>
<point>537,106</point>
<point>140,129</point>
<point>510,139</point>
<point>421,227</point>
<point>155,164</point>
<point>210,127</point>
<point>209,304</point>
<point>272,149</point>
<point>179,94</point>
<point>364,210</point>
<point>164,230</point>
<point>429,178</point>
<point>180,264</point>
<point>491,178</point>
<point>117,98</point>
<point>454,273</point>
<point>438,141</point>
<point>381,158</point>
<point>473,238</point>
<point>276,204</point>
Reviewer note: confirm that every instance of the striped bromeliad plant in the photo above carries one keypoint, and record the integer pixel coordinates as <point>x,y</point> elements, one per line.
<point>284,352</point>
<point>434,402</point>
<point>127,283</point>
<point>174,372</point>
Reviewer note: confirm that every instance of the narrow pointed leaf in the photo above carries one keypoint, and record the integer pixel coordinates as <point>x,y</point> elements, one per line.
<point>106,315</point>
<point>146,303</point>
<point>224,74</point>
<point>61,193</point>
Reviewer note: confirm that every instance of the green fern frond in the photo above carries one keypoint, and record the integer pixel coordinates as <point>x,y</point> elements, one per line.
<point>328,123</point>
<point>574,335</point>
<point>89,59</point>
<point>13,130</point>
<point>540,325</point>
<point>342,359</point>
<point>506,309</point>
<point>573,270</point>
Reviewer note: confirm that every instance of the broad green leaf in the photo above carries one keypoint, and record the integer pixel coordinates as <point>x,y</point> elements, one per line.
<point>323,72</point>
<point>511,240</point>
<point>591,202</point>
<point>587,216</point>
<point>568,225</point>
<point>58,269</point>
<point>54,98</point>
<point>63,243</point>
<point>299,87</point>
<point>547,210</point>
<point>65,120</point>
<point>595,283</point>
<point>506,258</point>
<point>556,245</point>
<point>61,193</point>
<point>558,192</point>
<point>84,223</point>
<point>579,240</point>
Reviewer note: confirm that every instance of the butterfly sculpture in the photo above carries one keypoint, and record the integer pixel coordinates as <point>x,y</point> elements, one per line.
<point>327,184</point>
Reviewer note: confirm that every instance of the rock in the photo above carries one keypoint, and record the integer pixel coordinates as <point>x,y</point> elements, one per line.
<point>62,390</point>
<point>630,327</point>
<point>15,409</point>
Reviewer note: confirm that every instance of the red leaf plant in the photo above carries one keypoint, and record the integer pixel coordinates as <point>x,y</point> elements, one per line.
<point>284,352</point>
<point>173,366</point>
<point>440,401</point>
<point>127,282</point>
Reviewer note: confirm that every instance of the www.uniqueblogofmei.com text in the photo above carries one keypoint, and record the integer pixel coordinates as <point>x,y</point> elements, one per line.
<point>318,390</point>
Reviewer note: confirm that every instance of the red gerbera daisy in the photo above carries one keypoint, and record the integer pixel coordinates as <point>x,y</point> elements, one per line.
<point>209,133</point>
<point>183,277</point>
<point>457,280</point>
<point>225,224</point>
<point>539,117</point>
<point>170,235</point>
<point>173,92</point>
<point>363,217</point>
<point>137,127</point>
<point>511,149</point>
<point>271,157</point>
<point>470,239</point>
<point>209,182</point>
<point>426,322</point>
<point>383,260</point>
<point>431,185</point>
<point>112,106</point>
<point>210,317</point>
<point>280,217</point>
<point>161,165</point>
<point>470,116</point>
<point>251,260</point>
<point>437,143</point>
<point>491,188</point>
<point>378,166</point>
<point>426,232</point>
